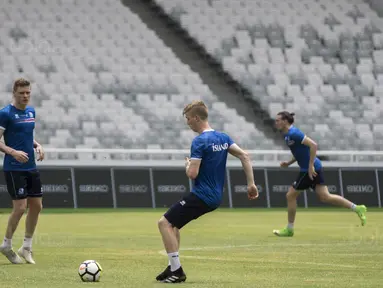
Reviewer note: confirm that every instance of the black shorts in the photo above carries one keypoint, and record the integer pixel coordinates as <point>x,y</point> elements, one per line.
<point>23,184</point>
<point>304,182</point>
<point>187,209</point>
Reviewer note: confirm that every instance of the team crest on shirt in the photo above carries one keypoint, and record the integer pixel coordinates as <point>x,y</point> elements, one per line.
<point>289,142</point>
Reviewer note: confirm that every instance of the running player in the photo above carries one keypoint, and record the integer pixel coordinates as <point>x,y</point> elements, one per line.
<point>17,123</point>
<point>311,173</point>
<point>207,166</point>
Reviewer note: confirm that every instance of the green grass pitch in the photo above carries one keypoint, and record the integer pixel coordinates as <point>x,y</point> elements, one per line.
<point>227,248</point>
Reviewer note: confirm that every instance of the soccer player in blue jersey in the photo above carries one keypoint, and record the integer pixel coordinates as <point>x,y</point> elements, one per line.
<point>304,151</point>
<point>207,166</point>
<point>17,123</point>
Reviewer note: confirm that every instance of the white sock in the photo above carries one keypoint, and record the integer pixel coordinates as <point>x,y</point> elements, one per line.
<point>170,264</point>
<point>174,260</point>
<point>290,225</point>
<point>7,242</point>
<point>353,206</point>
<point>27,243</point>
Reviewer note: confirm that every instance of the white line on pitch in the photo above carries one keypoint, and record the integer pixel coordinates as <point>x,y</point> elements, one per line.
<point>207,248</point>
<point>262,261</point>
<point>258,245</point>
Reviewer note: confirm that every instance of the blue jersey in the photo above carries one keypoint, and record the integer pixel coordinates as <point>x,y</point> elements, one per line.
<point>301,152</point>
<point>211,147</point>
<point>18,126</point>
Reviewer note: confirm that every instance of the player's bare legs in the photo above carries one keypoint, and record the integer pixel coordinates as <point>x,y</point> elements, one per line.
<point>19,207</point>
<point>324,196</point>
<point>336,200</point>
<point>171,239</point>
<point>168,234</point>
<point>291,197</point>
<point>178,237</point>
<point>333,199</point>
<point>34,208</point>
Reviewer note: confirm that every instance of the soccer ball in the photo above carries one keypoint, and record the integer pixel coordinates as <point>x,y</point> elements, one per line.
<point>90,271</point>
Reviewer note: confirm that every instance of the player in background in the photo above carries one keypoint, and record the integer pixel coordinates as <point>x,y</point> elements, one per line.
<point>304,151</point>
<point>207,166</point>
<point>17,123</point>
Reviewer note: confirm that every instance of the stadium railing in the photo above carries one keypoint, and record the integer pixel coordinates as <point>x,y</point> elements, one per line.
<point>271,158</point>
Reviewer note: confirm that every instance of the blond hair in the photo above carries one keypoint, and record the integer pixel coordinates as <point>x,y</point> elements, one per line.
<point>21,82</point>
<point>197,108</point>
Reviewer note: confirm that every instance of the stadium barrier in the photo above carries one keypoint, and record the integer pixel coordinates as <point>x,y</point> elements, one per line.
<point>151,183</point>
<point>162,186</point>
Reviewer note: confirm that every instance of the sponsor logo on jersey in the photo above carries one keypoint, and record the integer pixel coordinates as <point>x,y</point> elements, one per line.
<point>24,118</point>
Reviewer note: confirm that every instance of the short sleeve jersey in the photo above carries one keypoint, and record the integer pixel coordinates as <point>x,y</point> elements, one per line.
<point>18,126</point>
<point>294,138</point>
<point>211,147</point>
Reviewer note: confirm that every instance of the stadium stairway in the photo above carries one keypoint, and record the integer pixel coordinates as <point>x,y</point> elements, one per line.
<point>188,50</point>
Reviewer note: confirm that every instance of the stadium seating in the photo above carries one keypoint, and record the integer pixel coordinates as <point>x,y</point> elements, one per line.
<point>321,59</point>
<point>102,79</point>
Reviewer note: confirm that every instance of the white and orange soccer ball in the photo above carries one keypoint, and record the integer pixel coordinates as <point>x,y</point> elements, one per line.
<point>90,271</point>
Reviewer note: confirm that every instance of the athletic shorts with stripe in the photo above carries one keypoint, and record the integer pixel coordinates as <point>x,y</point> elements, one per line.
<point>189,208</point>
<point>23,184</point>
<point>304,182</point>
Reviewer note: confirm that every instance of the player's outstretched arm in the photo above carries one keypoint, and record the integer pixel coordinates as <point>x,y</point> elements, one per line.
<point>236,151</point>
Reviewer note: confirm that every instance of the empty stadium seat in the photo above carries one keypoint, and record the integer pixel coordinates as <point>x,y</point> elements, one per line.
<point>112,80</point>
<point>310,56</point>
